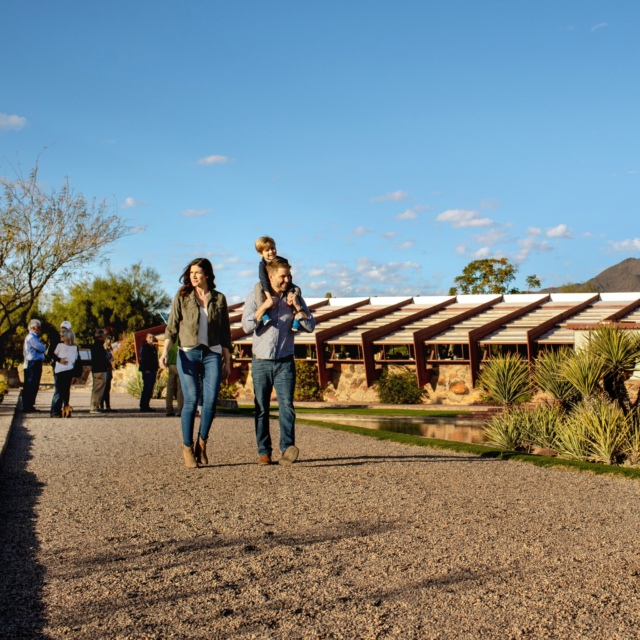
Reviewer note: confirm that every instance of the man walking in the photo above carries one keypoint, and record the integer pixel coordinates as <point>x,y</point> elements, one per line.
<point>148,365</point>
<point>99,368</point>
<point>33,351</point>
<point>273,363</point>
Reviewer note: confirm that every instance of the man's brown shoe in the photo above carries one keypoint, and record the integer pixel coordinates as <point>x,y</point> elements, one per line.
<point>290,455</point>
<point>265,459</point>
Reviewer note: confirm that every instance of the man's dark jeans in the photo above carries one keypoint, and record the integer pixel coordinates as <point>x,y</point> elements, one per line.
<point>267,375</point>
<point>32,375</point>
<point>148,381</point>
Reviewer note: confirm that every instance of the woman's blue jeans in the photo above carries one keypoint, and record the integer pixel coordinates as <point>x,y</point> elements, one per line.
<point>199,366</point>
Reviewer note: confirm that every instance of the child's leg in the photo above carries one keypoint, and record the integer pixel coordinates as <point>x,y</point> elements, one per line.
<point>260,296</point>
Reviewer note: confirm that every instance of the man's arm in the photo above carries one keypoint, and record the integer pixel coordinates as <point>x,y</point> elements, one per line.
<point>307,321</point>
<point>252,314</point>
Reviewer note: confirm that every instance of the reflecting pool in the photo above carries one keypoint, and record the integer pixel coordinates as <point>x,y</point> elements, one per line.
<point>457,428</point>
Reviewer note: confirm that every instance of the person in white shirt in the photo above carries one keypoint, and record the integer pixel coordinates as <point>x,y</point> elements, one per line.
<point>67,352</point>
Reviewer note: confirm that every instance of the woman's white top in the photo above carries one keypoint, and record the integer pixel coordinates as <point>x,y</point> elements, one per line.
<point>203,333</point>
<point>70,352</point>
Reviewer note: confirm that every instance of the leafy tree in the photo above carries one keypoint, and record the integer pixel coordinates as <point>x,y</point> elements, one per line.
<point>129,301</point>
<point>489,275</point>
<point>45,235</point>
<point>533,282</point>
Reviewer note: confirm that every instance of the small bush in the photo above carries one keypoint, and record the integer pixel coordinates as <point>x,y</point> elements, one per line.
<point>134,385</point>
<point>547,375</point>
<point>124,351</point>
<point>605,429</point>
<point>4,385</point>
<point>399,388</point>
<point>506,430</point>
<point>505,378</point>
<point>228,391</point>
<point>544,424</point>
<point>307,386</point>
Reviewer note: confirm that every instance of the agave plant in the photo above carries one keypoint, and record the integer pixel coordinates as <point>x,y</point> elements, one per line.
<point>545,421</point>
<point>619,351</point>
<point>505,430</point>
<point>547,375</point>
<point>584,370</point>
<point>571,441</point>
<point>506,379</point>
<point>606,430</point>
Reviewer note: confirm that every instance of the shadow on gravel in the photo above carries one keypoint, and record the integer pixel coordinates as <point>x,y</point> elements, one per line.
<point>360,460</point>
<point>21,576</point>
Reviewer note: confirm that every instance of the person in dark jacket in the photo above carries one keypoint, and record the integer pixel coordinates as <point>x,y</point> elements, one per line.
<point>99,368</point>
<point>148,365</point>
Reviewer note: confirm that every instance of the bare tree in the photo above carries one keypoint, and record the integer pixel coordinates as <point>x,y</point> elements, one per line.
<point>45,236</point>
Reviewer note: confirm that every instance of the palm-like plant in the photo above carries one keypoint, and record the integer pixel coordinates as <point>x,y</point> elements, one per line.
<point>547,376</point>
<point>619,351</point>
<point>506,379</point>
<point>583,370</point>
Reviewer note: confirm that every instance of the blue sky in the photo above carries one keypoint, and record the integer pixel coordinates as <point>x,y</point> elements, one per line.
<point>384,144</point>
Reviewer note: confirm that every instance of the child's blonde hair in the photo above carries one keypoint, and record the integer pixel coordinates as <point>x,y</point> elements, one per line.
<point>265,242</point>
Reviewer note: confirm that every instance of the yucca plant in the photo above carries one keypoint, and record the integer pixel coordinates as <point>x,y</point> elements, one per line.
<point>545,420</point>
<point>570,439</point>
<point>547,376</point>
<point>632,445</point>
<point>505,430</point>
<point>606,430</point>
<point>505,378</point>
<point>619,351</point>
<point>583,370</point>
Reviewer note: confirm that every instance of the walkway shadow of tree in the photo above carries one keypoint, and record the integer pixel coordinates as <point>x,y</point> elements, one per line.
<point>21,577</point>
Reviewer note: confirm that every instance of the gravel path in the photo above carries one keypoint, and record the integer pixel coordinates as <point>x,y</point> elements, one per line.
<point>105,534</point>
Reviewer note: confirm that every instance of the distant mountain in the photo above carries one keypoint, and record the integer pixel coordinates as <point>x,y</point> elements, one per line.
<point>624,276</point>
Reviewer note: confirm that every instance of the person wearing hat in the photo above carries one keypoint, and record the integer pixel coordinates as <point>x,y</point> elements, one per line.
<point>54,341</point>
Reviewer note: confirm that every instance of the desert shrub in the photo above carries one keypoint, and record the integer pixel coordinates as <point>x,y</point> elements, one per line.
<point>632,445</point>
<point>399,388</point>
<point>228,390</point>
<point>124,351</point>
<point>505,378</point>
<point>4,385</point>
<point>307,385</point>
<point>548,378</point>
<point>544,424</point>
<point>583,370</point>
<point>505,430</point>
<point>134,385</point>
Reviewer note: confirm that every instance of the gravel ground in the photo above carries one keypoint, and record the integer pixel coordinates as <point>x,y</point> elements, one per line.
<point>105,534</point>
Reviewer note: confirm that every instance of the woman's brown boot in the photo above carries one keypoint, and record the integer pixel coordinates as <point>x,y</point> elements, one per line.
<point>189,458</point>
<point>201,451</point>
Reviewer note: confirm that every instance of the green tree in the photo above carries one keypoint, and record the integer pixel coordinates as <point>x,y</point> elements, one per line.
<point>45,236</point>
<point>489,275</point>
<point>127,301</point>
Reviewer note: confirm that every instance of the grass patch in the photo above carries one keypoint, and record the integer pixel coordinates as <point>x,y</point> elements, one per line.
<point>479,450</point>
<point>355,411</point>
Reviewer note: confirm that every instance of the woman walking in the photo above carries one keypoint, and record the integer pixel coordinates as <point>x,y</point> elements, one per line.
<point>67,353</point>
<point>199,321</point>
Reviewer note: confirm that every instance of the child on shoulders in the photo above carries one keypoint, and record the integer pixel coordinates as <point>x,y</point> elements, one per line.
<point>266,247</point>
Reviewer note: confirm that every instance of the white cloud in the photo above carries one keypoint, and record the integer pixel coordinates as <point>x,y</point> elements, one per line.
<point>248,273</point>
<point>131,203</point>
<point>369,277</point>
<point>194,213</point>
<point>625,245</point>
<point>536,231</point>
<point>461,218</point>
<point>561,231</point>
<point>390,234</point>
<point>490,203</point>
<point>406,245</point>
<point>207,160</point>
<point>461,248</point>
<point>482,253</point>
<point>529,245</point>
<point>11,122</point>
<point>492,237</point>
<point>408,214</point>
<point>600,25</point>
<point>392,195</point>
<point>361,231</point>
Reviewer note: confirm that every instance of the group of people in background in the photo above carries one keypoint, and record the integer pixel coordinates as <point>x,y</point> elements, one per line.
<point>197,356</point>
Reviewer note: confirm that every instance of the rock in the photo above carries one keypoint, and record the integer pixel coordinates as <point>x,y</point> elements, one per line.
<point>459,388</point>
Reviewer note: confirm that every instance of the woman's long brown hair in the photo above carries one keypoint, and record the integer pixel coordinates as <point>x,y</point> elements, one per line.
<point>185,278</point>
